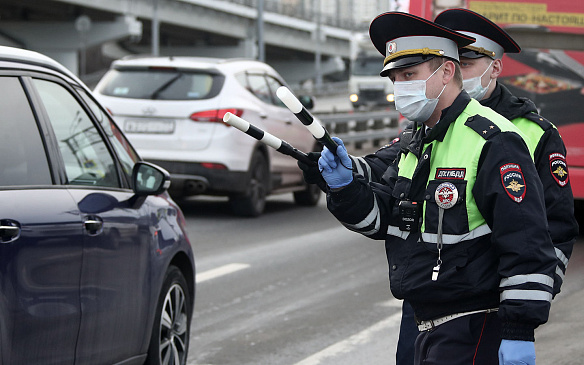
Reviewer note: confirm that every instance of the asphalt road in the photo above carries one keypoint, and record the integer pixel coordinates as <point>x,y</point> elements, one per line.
<point>293,287</point>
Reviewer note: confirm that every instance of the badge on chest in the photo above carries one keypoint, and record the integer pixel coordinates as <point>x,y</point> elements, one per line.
<point>446,195</point>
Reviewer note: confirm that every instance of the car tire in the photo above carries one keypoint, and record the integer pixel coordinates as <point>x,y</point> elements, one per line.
<point>169,342</point>
<point>308,197</point>
<point>252,203</point>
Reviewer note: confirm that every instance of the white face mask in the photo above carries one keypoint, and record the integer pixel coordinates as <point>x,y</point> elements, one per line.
<point>474,86</point>
<point>411,100</point>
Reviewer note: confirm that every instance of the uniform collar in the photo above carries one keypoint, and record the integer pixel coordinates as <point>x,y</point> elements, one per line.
<point>507,104</point>
<point>438,132</point>
<point>448,116</point>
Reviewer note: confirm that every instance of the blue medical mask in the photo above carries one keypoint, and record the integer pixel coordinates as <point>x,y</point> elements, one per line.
<point>411,100</point>
<point>474,86</point>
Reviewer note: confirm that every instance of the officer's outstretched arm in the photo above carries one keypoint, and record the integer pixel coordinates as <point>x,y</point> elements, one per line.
<point>361,206</point>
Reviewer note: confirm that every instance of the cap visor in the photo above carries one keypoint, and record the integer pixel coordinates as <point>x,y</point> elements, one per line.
<point>403,62</point>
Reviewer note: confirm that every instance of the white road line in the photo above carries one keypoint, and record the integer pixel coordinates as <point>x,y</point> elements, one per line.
<point>350,343</point>
<point>220,271</point>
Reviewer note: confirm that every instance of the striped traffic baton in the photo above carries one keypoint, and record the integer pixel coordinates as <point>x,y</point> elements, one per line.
<point>267,138</point>
<point>312,123</point>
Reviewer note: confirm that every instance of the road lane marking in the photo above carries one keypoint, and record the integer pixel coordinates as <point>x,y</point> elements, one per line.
<point>220,271</point>
<point>352,342</point>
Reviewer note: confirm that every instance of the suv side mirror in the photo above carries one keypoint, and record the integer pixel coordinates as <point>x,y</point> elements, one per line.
<point>306,101</point>
<point>149,179</point>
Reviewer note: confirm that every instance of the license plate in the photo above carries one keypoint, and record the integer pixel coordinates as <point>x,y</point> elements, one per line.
<point>149,126</point>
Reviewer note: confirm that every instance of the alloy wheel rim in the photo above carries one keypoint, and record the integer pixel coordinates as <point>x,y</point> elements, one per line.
<point>258,188</point>
<point>173,327</point>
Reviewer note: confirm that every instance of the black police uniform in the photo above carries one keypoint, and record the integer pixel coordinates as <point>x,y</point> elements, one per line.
<point>562,223</point>
<point>518,245</point>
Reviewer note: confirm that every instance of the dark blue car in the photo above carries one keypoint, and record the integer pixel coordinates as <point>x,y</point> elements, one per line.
<point>95,264</point>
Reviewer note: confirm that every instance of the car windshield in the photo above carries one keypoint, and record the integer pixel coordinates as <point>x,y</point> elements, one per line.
<point>161,84</point>
<point>367,66</point>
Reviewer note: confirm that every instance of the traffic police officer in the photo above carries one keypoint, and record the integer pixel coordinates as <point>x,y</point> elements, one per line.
<point>544,138</point>
<point>464,219</point>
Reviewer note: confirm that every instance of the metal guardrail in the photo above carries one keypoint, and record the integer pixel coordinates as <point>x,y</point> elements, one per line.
<point>362,130</point>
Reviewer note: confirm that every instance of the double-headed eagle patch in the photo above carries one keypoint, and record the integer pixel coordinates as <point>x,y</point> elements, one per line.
<point>559,168</point>
<point>513,181</point>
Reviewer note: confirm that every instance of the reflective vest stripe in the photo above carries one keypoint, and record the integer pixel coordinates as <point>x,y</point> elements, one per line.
<point>372,217</point>
<point>395,231</point>
<point>450,239</point>
<point>530,278</point>
<point>526,295</point>
<point>560,273</point>
<point>359,162</point>
<point>561,257</point>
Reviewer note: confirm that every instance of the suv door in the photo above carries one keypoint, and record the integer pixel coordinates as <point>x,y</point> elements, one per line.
<point>279,121</point>
<point>115,290</point>
<point>293,132</point>
<point>41,240</point>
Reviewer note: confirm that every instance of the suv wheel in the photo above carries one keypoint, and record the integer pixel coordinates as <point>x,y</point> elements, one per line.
<point>308,197</point>
<point>169,342</point>
<point>253,203</point>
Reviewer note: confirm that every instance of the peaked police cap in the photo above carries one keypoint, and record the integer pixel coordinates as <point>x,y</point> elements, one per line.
<point>407,40</point>
<point>491,40</point>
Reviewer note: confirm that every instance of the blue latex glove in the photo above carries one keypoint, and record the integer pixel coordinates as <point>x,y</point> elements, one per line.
<point>513,352</point>
<point>337,171</point>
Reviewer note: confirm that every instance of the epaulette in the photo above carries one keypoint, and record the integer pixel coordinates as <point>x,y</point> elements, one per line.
<point>539,120</point>
<point>483,126</point>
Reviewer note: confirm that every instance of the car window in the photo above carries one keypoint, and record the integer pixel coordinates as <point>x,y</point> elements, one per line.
<point>86,157</point>
<point>125,151</point>
<point>161,84</point>
<point>23,160</point>
<point>274,85</point>
<point>259,87</point>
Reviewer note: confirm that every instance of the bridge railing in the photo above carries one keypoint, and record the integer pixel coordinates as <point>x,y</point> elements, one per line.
<point>362,131</point>
<point>341,16</point>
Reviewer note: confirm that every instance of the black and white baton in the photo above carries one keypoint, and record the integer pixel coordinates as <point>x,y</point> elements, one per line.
<point>312,123</point>
<point>267,138</point>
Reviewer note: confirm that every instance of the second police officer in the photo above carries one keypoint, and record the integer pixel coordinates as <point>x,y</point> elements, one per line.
<point>464,219</point>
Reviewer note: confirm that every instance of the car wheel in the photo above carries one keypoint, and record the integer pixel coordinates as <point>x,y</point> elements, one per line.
<point>252,204</point>
<point>308,197</point>
<point>169,342</point>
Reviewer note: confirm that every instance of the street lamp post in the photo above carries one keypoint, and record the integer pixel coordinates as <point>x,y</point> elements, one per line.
<point>260,30</point>
<point>317,51</point>
<point>83,25</point>
<point>155,29</point>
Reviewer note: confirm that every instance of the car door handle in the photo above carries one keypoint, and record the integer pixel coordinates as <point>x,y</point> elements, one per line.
<point>263,115</point>
<point>93,225</point>
<point>9,230</point>
<point>288,121</point>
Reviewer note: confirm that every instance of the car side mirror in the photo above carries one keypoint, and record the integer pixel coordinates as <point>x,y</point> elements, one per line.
<point>149,179</point>
<point>306,101</point>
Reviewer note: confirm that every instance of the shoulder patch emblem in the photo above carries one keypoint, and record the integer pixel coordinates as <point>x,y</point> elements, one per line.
<point>513,181</point>
<point>559,168</point>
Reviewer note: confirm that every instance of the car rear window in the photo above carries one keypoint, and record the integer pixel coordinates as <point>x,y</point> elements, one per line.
<point>161,84</point>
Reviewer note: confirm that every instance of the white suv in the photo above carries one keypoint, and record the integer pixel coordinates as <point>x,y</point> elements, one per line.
<point>171,109</point>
